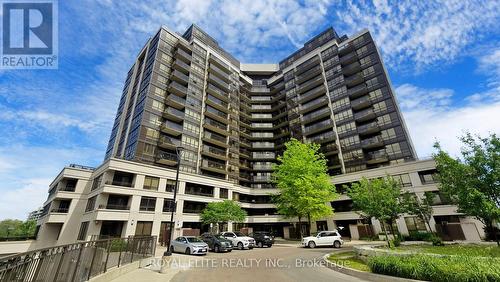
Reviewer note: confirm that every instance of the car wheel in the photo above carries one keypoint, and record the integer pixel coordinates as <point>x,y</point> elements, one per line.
<point>188,251</point>
<point>269,246</point>
<point>312,245</point>
<point>259,244</point>
<point>229,251</point>
<point>336,244</point>
<point>172,249</point>
<point>217,249</point>
<point>240,246</point>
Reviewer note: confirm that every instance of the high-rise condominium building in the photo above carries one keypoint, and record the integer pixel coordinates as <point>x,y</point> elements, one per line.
<point>232,121</point>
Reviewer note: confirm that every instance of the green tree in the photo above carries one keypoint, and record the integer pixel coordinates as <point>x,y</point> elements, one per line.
<point>378,198</point>
<point>305,189</point>
<point>17,228</point>
<point>473,181</point>
<point>421,207</point>
<point>220,213</point>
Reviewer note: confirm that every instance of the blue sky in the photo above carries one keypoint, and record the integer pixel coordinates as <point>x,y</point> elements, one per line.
<point>443,59</point>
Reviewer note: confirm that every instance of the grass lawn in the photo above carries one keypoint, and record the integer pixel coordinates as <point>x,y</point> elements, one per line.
<point>463,250</point>
<point>348,259</point>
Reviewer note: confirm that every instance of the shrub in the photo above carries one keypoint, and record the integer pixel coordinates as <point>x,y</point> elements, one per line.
<point>396,242</point>
<point>437,268</point>
<point>437,241</point>
<point>419,236</point>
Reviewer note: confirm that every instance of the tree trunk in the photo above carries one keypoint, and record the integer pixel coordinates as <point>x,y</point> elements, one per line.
<point>392,229</point>
<point>300,228</point>
<point>386,236</point>
<point>309,225</point>
<point>495,236</point>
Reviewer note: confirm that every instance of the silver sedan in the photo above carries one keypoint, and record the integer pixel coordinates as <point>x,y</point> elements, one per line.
<point>189,245</point>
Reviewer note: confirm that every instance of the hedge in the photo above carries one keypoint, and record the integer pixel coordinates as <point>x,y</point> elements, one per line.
<point>437,268</point>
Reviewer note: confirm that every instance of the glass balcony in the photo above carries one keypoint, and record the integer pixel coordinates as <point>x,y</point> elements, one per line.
<point>312,72</point>
<point>219,73</point>
<point>224,67</point>
<point>263,155</point>
<point>307,65</point>
<point>176,101</point>
<point>373,142</point>
<point>171,128</point>
<point>318,127</point>
<point>315,115</point>
<point>349,58</point>
<point>180,77</point>
<point>219,82</point>
<point>361,103</point>
<point>377,157</point>
<point>323,138</point>
<point>166,158</point>
<point>263,145</point>
<point>352,68</point>
<point>217,138</point>
<point>181,66</point>
<point>173,114</point>
<point>214,152</point>
<point>354,80</point>
<point>214,166</point>
<point>357,91</point>
<point>218,93</point>
<point>365,115</point>
<point>216,126</point>
<point>168,143</point>
<point>309,106</point>
<point>217,103</point>
<point>183,55</point>
<point>177,89</point>
<point>368,128</point>
<point>311,94</point>
<point>114,207</point>
<point>310,84</point>
<point>346,48</point>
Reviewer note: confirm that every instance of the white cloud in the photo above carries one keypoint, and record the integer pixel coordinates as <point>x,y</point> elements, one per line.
<point>423,32</point>
<point>432,118</point>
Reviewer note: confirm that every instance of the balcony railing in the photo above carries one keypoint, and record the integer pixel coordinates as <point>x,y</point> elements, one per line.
<point>224,85</point>
<point>215,137</point>
<point>310,84</point>
<point>212,164</point>
<point>330,136</point>
<point>168,125</point>
<point>114,207</point>
<point>217,101</point>
<point>368,128</point>
<point>180,65</point>
<point>313,103</point>
<point>263,145</point>
<point>216,124</point>
<point>375,141</point>
<point>169,142</point>
<point>213,150</point>
<point>178,89</point>
<point>263,155</point>
<point>365,115</point>
<point>354,80</point>
<point>176,101</point>
<point>219,72</point>
<point>173,114</point>
<point>318,125</point>
<point>60,210</point>
<point>360,103</point>
<point>312,72</point>
<point>357,91</point>
<point>307,65</point>
<point>313,115</point>
<point>311,94</point>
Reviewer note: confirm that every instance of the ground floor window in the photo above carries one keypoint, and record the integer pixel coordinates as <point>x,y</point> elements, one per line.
<point>83,230</point>
<point>143,228</point>
<point>414,223</point>
<point>321,225</point>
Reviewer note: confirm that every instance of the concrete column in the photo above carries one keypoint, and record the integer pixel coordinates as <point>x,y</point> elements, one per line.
<point>229,194</point>
<point>139,181</point>
<point>415,179</point>
<point>162,185</point>
<point>377,227</point>
<point>216,192</point>
<point>181,188</point>
<point>401,224</point>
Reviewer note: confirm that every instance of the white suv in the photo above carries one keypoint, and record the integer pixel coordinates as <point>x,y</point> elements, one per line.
<point>239,240</point>
<point>324,238</point>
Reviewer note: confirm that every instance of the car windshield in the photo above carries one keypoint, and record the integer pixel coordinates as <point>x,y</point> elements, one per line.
<point>193,240</point>
<point>219,237</point>
<point>239,234</point>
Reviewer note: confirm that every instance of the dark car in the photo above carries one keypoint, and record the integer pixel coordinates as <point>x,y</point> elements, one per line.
<point>217,243</point>
<point>263,238</point>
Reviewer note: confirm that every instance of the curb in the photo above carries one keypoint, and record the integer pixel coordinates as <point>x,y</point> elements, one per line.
<point>362,274</point>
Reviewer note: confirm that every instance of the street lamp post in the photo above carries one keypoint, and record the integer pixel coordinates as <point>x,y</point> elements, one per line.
<point>168,252</point>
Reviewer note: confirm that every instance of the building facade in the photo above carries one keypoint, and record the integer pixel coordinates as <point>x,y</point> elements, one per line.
<point>231,120</point>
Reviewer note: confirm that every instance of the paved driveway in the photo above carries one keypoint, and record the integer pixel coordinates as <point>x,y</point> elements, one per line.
<point>279,263</point>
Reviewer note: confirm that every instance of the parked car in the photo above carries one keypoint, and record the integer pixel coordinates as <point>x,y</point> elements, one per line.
<point>323,238</point>
<point>189,245</point>
<point>239,240</point>
<point>262,238</point>
<point>217,243</point>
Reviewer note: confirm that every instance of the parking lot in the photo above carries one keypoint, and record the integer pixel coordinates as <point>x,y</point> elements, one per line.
<point>278,263</point>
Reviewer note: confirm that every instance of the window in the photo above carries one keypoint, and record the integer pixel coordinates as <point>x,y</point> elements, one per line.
<point>90,204</point>
<point>404,179</point>
<point>191,127</point>
<point>151,183</point>
<point>428,176</point>
<point>346,127</point>
<point>393,149</point>
<point>373,82</point>
<point>368,71</point>
<point>151,133</point>
<point>338,92</point>
<point>158,106</point>
<point>96,183</point>
<point>343,115</point>
<point>349,141</point>
<point>415,224</point>
<point>148,150</point>
<point>83,230</point>
<point>383,120</point>
<point>380,107</point>
<point>388,134</point>
<point>189,141</point>
<point>340,103</point>
<point>143,228</point>
<point>147,204</point>
<point>353,155</point>
<point>192,114</point>
<point>168,205</point>
<point>376,94</point>
<point>224,193</point>
<point>170,185</point>
<point>154,120</point>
